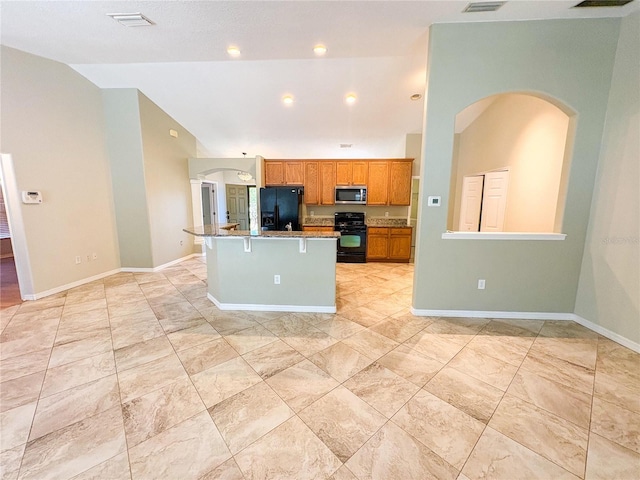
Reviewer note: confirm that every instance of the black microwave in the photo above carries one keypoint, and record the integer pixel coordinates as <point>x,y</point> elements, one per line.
<point>351,195</point>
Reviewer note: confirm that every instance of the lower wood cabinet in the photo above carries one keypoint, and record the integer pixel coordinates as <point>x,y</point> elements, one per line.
<point>388,244</point>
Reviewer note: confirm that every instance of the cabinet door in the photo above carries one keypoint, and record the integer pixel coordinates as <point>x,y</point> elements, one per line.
<point>294,173</point>
<point>359,173</point>
<point>377,244</point>
<point>311,183</point>
<point>273,173</point>
<point>327,182</point>
<point>378,185</point>
<point>400,183</point>
<point>400,244</point>
<point>343,173</point>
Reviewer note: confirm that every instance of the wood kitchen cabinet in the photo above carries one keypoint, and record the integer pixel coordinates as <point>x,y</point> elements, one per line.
<point>278,173</point>
<point>319,182</point>
<point>273,173</point>
<point>400,182</point>
<point>389,244</point>
<point>351,172</point>
<point>311,183</point>
<point>327,176</point>
<point>294,173</point>
<point>378,184</point>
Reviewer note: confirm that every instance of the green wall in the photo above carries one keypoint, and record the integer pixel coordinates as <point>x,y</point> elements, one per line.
<point>150,176</point>
<point>609,288</point>
<point>53,127</point>
<point>567,61</point>
<point>238,277</point>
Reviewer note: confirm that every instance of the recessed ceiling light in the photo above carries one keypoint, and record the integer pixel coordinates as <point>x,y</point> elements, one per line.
<point>319,50</point>
<point>350,98</point>
<point>287,99</point>
<point>415,96</point>
<point>131,19</point>
<point>233,51</point>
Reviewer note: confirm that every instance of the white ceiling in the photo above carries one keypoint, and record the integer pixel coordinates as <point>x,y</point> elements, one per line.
<point>376,49</point>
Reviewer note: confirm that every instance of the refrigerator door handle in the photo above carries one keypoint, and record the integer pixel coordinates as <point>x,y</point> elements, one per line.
<point>276,217</point>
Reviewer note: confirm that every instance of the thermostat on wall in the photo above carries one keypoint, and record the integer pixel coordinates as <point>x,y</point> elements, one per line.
<point>31,197</point>
<point>433,201</point>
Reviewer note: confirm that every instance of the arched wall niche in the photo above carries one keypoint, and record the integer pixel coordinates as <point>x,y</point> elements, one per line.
<point>510,164</point>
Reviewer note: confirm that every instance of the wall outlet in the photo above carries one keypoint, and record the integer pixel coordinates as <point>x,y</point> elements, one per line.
<point>481,284</point>
<point>88,258</point>
<point>312,213</point>
<point>94,256</point>
<point>386,214</point>
<point>78,260</point>
<point>276,279</point>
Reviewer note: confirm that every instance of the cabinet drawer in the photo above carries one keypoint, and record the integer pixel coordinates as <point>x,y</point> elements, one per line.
<point>401,231</point>
<point>377,230</point>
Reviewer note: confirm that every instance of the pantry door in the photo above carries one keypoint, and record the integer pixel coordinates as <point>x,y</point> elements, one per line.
<point>238,206</point>
<point>471,203</point>
<point>494,201</point>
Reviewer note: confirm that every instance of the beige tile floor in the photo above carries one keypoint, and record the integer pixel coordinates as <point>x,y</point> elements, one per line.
<point>140,376</point>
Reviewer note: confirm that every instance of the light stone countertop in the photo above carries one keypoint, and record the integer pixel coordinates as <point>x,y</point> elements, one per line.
<point>324,221</point>
<point>217,231</point>
<point>386,222</point>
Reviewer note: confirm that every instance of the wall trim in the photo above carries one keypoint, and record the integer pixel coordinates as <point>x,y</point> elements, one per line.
<point>502,236</point>
<point>492,314</point>
<point>68,286</point>
<point>625,342</point>
<point>159,267</point>
<point>272,308</point>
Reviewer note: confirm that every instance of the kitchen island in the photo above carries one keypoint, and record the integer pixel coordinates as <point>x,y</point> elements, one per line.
<point>270,270</point>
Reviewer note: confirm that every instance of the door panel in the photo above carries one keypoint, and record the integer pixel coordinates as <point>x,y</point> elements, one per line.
<point>208,204</point>
<point>471,203</point>
<point>238,206</point>
<point>494,201</point>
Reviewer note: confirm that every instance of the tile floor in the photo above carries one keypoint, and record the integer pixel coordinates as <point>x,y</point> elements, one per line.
<point>140,376</point>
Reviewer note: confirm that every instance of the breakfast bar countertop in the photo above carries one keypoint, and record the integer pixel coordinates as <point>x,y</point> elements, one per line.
<point>217,231</point>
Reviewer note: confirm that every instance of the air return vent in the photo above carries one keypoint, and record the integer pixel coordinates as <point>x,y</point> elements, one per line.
<point>602,3</point>
<point>483,7</point>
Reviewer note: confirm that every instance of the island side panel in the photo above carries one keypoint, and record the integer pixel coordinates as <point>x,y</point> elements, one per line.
<point>245,280</point>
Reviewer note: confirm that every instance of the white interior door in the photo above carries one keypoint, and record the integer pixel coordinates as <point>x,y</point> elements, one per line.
<point>471,203</point>
<point>494,201</point>
<point>208,204</point>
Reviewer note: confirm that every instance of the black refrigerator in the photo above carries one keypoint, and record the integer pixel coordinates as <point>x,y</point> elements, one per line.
<point>280,206</point>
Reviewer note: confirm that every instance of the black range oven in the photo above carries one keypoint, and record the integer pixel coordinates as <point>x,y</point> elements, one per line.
<point>352,244</point>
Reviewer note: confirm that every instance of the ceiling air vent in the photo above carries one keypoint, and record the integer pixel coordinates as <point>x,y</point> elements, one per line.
<point>346,145</point>
<point>602,3</point>
<point>483,7</point>
<point>131,19</point>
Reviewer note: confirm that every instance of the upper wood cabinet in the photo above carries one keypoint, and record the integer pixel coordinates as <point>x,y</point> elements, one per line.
<point>388,182</point>
<point>311,183</point>
<point>327,183</point>
<point>351,172</point>
<point>273,173</point>
<point>277,172</point>
<point>400,182</point>
<point>294,173</point>
<point>378,184</point>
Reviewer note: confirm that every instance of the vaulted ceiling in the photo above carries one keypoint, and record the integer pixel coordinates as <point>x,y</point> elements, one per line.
<point>377,50</point>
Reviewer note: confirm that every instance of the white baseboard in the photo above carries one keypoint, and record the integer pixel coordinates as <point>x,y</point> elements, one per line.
<point>492,314</point>
<point>271,308</point>
<point>531,316</point>
<point>68,286</point>
<point>77,283</point>
<point>625,342</point>
<point>159,267</point>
